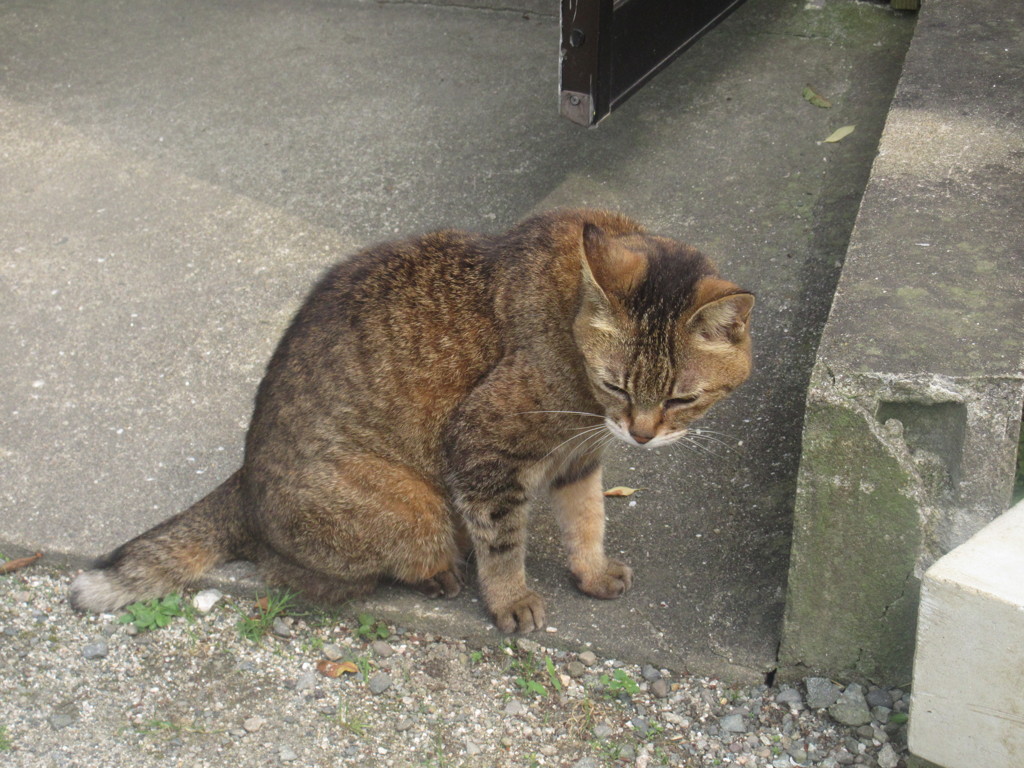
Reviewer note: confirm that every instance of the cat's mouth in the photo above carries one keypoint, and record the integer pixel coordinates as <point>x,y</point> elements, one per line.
<point>639,439</point>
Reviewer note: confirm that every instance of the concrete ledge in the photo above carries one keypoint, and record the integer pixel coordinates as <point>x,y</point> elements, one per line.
<point>968,706</point>
<point>914,407</point>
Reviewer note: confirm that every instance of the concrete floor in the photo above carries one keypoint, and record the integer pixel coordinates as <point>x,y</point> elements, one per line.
<point>174,175</point>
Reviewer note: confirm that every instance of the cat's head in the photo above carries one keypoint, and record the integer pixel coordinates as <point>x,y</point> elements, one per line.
<point>662,336</point>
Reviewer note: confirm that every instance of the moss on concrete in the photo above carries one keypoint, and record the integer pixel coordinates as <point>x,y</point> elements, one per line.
<point>853,595</point>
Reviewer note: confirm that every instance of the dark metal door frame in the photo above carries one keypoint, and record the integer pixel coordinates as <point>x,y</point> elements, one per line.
<point>610,48</point>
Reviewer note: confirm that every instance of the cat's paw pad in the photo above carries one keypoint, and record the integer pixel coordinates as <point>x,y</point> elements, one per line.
<point>615,580</point>
<point>525,614</point>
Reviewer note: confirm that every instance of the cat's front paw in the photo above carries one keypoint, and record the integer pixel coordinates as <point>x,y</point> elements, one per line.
<point>524,614</point>
<point>612,582</point>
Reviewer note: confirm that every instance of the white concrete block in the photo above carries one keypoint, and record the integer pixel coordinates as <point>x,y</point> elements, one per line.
<point>967,709</point>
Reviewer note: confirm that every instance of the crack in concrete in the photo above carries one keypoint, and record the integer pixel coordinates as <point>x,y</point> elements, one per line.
<point>899,597</point>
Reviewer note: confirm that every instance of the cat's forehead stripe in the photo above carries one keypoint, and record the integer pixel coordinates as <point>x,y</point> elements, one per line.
<point>669,285</point>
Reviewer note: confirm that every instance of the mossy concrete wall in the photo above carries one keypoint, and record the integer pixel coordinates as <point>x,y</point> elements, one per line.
<point>914,408</point>
<point>896,470</point>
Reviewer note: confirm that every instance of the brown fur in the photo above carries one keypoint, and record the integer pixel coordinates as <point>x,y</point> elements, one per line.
<point>427,387</point>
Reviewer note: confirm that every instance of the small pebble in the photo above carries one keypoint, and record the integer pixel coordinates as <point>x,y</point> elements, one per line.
<point>253,724</point>
<point>305,682</point>
<point>790,696</point>
<point>575,669</point>
<point>660,688</point>
<point>60,720</point>
<point>282,627</point>
<point>528,646</point>
<point>205,600</point>
<point>881,714</point>
<point>382,649</point>
<point>515,708</point>
<point>887,757</point>
<point>733,723</point>
<point>821,692</point>
<point>287,754</point>
<point>588,658</point>
<point>649,673</point>
<point>798,754</point>
<point>379,682</point>
<point>97,650</point>
<point>640,725</point>
<point>333,651</point>
<point>851,708</point>
<point>879,697</point>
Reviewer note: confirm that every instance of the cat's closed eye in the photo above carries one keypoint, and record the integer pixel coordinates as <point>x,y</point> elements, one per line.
<point>683,400</point>
<point>615,390</point>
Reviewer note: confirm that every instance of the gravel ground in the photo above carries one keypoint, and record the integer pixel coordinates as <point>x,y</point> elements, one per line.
<point>94,691</point>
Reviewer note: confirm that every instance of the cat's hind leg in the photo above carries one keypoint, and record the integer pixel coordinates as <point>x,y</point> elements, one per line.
<point>362,518</point>
<point>312,585</point>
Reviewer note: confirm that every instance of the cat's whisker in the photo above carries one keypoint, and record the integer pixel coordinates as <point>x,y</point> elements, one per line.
<point>589,431</point>
<point>608,440</point>
<point>580,429</point>
<point>602,436</point>
<point>701,432</point>
<point>583,444</point>
<point>571,413</point>
<point>697,436</point>
<point>588,436</point>
<point>696,446</point>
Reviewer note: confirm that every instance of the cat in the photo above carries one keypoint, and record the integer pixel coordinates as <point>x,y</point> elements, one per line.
<point>427,387</point>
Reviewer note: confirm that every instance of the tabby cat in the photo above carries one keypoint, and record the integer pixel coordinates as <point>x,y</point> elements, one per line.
<point>426,388</point>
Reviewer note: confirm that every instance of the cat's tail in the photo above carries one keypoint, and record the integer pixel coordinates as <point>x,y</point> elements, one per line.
<point>169,556</point>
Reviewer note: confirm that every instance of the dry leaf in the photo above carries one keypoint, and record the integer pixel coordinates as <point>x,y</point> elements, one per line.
<point>621,490</point>
<point>263,604</point>
<point>840,133</point>
<point>816,98</point>
<point>335,668</point>
<point>18,563</point>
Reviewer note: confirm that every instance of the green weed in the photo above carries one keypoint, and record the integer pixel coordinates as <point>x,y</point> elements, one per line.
<point>256,625</point>
<point>617,683</point>
<point>556,683</point>
<point>354,725</point>
<point>532,678</point>
<point>6,744</point>
<point>157,613</point>
<point>370,629</point>
<point>365,668</point>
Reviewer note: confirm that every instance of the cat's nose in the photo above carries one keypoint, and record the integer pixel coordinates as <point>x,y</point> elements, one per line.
<point>641,437</point>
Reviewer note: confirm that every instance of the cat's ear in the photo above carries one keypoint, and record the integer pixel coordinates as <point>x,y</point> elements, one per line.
<point>723,314</point>
<point>609,266</point>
